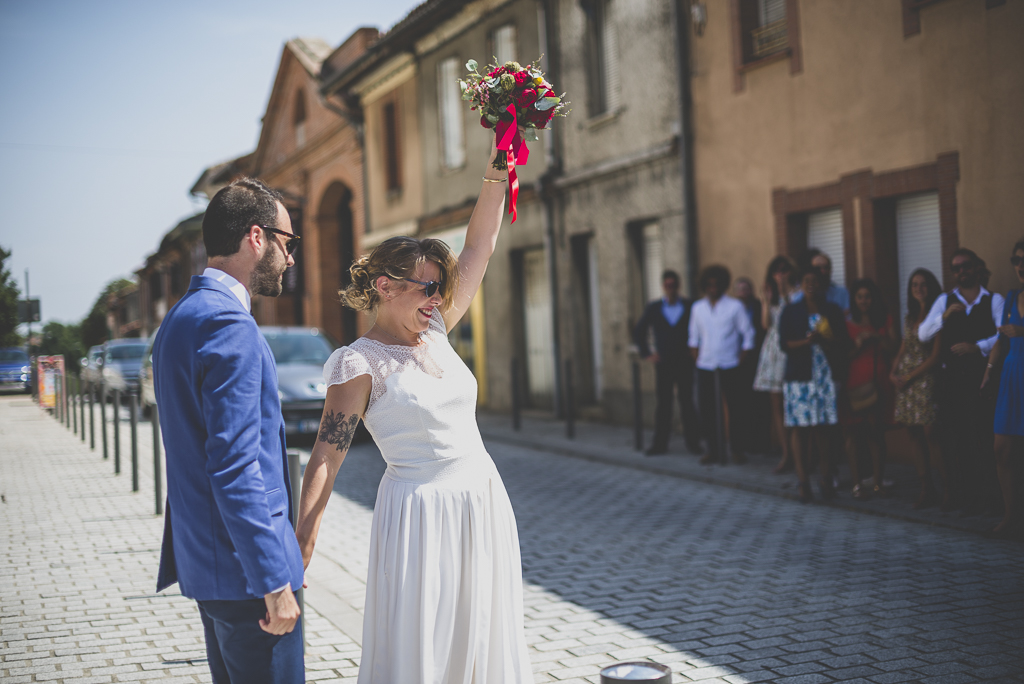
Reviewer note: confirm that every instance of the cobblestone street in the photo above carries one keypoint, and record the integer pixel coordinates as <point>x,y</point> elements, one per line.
<point>722,584</point>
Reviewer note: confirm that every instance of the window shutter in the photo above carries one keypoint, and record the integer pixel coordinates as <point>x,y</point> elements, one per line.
<point>918,239</point>
<point>450,99</point>
<point>612,90</point>
<point>540,366</point>
<point>771,11</point>
<point>505,43</point>
<point>825,232</point>
<point>654,262</point>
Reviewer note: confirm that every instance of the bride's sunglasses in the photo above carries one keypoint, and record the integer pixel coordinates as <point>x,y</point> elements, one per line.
<point>431,286</point>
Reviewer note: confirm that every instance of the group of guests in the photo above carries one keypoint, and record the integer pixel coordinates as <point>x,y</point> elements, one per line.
<point>826,371</point>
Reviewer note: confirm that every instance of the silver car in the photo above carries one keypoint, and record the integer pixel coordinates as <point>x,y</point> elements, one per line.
<point>300,354</point>
<point>122,361</point>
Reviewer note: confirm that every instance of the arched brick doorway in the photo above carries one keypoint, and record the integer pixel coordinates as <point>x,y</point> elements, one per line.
<point>337,251</point>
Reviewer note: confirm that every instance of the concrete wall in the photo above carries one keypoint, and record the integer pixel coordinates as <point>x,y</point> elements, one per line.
<point>867,98</point>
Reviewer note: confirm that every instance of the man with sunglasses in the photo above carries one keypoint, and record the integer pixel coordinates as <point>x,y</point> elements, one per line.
<point>228,541</point>
<point>967,320</point>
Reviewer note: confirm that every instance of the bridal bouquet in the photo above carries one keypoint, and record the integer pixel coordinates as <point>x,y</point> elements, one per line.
<point>515,101</point>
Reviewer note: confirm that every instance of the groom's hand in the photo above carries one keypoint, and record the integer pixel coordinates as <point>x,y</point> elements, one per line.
<point>282,612</point>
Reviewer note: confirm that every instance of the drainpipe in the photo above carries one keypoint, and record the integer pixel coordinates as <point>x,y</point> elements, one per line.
<point>681,20</point>
<point>549,195</point>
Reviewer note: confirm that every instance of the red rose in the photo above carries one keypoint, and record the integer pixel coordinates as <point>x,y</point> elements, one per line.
<point>525,98</point>
<point>485,123</point>
<point>522,78</point>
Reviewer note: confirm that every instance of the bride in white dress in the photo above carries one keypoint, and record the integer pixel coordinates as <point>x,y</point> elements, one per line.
<point>444,593</point>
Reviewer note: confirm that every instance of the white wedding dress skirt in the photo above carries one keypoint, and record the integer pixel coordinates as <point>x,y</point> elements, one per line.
<point>444,592</point>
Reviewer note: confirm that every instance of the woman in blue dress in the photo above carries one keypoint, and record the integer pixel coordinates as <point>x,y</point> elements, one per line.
<point>1009,422</point>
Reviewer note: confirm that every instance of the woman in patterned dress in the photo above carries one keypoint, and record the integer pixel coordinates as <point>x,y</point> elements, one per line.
<point>1009,419</point>
<point>778,291</point>
<point>914,376</point>
<point>812,333</point>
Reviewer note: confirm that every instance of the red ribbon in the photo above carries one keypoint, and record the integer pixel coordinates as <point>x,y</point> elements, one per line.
<point>512,143</point>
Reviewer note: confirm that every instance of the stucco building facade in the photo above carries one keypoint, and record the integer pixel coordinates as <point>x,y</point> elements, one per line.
<point>885,133</point>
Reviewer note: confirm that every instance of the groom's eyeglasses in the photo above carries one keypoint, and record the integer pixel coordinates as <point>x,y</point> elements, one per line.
<point>431,285</point>
<point>293,240</point>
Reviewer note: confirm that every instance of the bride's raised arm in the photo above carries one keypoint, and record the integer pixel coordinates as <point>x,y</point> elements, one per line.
<point>481,237</point>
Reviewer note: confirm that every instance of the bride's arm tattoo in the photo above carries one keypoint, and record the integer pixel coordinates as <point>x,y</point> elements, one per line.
<point>335,429</point>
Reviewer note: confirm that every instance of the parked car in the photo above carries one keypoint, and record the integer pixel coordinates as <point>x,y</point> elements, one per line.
<point>15,370</point>
<point>92,364</point>
<point>122,361</point>
<point>300,354</point>
<point>147,396</point>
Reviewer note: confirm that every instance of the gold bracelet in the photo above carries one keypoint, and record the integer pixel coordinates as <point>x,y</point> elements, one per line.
<point>494,180</point>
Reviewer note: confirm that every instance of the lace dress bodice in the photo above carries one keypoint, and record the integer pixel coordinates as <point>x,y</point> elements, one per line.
<point>422,408</point>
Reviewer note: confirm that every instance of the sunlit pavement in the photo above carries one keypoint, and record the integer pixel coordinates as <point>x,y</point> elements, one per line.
<point>722,584</point>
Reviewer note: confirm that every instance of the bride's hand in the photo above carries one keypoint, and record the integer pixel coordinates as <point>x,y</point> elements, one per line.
<point>494,149</point>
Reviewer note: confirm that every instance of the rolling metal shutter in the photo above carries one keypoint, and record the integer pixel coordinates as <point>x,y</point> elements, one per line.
<point>825,232</point>
<point>918,239</point>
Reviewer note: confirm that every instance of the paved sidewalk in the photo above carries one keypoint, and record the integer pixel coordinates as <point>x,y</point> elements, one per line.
<point>79,556</point>
<point>613,444</point>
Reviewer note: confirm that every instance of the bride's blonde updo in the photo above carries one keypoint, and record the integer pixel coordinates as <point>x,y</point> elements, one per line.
<point>397,258</point>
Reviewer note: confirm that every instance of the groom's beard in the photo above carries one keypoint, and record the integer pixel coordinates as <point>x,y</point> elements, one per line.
<point>266,277</point>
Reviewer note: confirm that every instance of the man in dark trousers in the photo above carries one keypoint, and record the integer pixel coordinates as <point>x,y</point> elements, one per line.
<point>669,318</point>
<point>228,539</point>
<point>966,321</point>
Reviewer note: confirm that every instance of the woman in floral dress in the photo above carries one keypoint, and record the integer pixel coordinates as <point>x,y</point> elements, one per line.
<point>914,376</point>
<point>778,291</point>
<point>812,333</point>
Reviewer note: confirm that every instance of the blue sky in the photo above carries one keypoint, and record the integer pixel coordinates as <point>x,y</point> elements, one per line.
<point>110,110</point>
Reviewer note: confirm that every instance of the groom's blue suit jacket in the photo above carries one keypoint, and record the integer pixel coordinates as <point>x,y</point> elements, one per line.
<point>227,528</point>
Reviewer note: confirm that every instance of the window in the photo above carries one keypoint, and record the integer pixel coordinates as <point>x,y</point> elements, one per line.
<point>764,30</point>
<point>453,149</point>
<point>825,233</point>
<point>653,264</point>
<point>540,361</point>
<point>918,239</point>
<point>300,118</point>
<point>504,43</point>
<point>391,166</point>
<point>603,51</point>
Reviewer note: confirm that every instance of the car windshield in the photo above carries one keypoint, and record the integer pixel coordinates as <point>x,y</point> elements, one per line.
<point>126,352</point>
<point>13,356</point>
<point>299,347</point>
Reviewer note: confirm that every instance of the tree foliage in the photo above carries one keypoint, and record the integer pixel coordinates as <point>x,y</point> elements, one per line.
<point>94,326</point>
<point>9,296</point>
<point>59,338</point>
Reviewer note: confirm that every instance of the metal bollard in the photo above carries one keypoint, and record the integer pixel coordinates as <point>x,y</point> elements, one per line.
<point>295,478</point>
<point>92,417</point>
<point>570,408</point>
<point>56,397</point>
<point>133,418</point>
<point>517,400</point>
<point>115,423</point>
<point>74,405</point>
<point>158,478</point>
<point>103,418</point>
<point>81,402</point>
<point>643,671</point>
<point>638,414</point>
<point>65,387</point>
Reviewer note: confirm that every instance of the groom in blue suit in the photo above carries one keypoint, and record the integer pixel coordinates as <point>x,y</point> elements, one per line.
<point>228,539</point>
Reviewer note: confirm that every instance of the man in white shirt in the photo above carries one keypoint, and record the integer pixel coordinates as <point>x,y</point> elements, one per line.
<point>720,337</point>
<point>968,320</point>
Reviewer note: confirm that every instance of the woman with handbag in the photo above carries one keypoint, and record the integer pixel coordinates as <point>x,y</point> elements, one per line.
<point>868,397</point>
<point>812,334</point>
<point>915,376</point>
